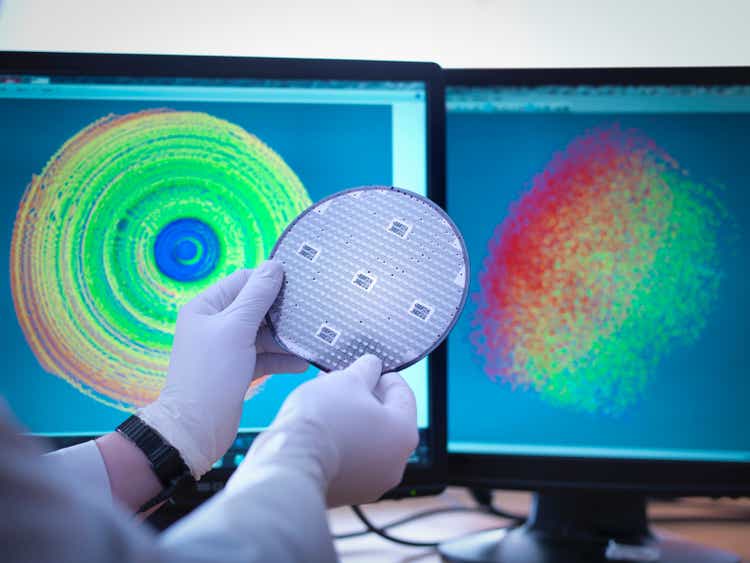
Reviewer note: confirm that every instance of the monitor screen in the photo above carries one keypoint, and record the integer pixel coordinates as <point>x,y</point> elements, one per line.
<point>125,196</point>
<point>607,230</point>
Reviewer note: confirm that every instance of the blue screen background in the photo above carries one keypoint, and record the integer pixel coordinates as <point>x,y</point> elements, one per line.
<point>698,398</point>
<point>330,147</point>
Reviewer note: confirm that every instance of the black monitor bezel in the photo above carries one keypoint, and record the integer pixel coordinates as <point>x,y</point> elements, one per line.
<point>174,66</point>
<point>653,477</point>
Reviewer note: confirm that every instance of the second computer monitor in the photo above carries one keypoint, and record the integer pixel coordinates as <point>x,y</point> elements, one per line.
<point>606,215</point>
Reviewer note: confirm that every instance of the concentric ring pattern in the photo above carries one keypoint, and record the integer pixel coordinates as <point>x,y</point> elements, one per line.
<point>131,218</point>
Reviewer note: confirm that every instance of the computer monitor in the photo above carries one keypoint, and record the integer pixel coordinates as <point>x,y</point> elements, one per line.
<point>602,356</point>
<point>111,164</point>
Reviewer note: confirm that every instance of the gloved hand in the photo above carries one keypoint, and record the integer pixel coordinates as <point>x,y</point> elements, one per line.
<point>220,345</point>
<point>353,430</point>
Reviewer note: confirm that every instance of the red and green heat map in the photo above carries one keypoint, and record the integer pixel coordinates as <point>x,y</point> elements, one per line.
<point>609,262</point>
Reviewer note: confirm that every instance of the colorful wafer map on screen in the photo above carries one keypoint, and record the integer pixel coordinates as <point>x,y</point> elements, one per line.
<point>608,263</point>
<point>131,218</point>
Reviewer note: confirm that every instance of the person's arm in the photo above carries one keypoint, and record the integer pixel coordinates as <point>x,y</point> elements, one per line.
<point>320,449</point>
<point>131,479</point>
<point>321,446</point>
<point>50,517</point>
<point>50,514</point>
<point>220,346</point>
<point>86,461</point>
<point>277,512</point>
<point>112,467</point>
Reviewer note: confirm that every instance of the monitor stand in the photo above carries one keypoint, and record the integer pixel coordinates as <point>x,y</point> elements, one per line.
<point>581,527</point>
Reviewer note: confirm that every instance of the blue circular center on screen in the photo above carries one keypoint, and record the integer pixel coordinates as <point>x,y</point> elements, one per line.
<point>186,250</point>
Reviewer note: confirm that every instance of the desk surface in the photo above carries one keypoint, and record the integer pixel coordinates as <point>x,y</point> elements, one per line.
<point>687,518</point>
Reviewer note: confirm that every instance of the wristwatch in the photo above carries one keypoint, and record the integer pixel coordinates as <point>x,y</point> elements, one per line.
<point>164,458</point>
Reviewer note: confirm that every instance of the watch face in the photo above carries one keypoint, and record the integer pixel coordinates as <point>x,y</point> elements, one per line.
<point>373,270</point>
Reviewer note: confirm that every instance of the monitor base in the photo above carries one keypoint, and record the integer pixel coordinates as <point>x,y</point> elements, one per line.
<point>580,527</point>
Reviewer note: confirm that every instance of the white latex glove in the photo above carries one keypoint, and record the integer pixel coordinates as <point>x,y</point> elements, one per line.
<point>220,346</point>
<point>352,430</point>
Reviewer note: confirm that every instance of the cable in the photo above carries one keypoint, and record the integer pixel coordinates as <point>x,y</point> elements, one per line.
<point>384,534</point>
<point>382,531</point>
<point>481,496</point>
<point>412,518</point>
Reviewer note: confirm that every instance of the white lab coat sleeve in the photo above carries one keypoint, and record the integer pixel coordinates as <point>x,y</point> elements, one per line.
<point>276,498</point>
<point>49,518</point>
<point>280,517</point>
<point>85,461</point>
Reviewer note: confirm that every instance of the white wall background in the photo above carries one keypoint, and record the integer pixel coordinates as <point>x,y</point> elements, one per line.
<point>475,33</point>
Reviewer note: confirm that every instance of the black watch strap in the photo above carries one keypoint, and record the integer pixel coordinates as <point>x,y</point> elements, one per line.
<point>165,460</point>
